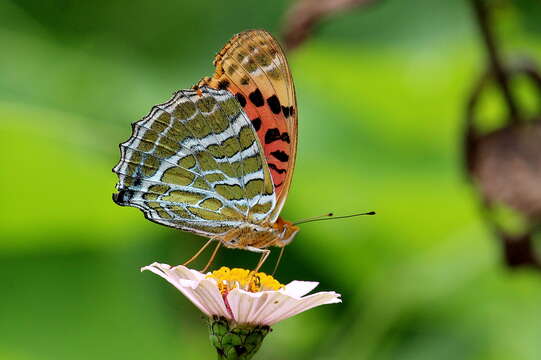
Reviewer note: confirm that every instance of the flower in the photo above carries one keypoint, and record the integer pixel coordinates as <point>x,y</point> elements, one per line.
<point>241,305</point>
<point>241,296</point>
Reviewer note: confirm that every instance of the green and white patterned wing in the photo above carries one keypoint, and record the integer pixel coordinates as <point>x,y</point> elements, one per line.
<point>195,163</point>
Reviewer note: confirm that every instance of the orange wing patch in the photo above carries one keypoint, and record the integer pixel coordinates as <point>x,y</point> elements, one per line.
<point>253,67</point>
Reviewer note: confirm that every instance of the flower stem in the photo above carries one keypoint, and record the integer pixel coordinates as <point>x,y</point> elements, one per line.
<point>233,341</point>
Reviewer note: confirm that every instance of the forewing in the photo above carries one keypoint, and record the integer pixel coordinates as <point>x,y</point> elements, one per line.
<point>253,67</point>
<point>194,163</point>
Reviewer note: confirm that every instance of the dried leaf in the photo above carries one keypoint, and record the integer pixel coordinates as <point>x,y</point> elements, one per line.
<point>506,165</point>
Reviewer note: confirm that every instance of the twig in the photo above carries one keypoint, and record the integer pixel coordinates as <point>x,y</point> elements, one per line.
<point>501,76</point>
<point>305,15</point>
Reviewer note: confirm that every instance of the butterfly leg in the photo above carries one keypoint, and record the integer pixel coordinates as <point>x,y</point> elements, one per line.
<point>264,255</point>
<point>198,252</point>
<point>211,260</point>
<point>278,261</point>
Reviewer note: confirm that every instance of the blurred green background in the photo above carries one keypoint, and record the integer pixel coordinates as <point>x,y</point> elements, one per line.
<point>381,95</point>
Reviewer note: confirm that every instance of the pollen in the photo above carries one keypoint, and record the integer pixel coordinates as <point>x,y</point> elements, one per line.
<point>227,279</point>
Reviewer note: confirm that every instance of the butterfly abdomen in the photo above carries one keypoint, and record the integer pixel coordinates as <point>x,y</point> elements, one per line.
<point>250,235</point>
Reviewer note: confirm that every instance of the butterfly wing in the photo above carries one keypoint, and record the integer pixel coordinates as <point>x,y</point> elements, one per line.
<point>194,163</point>
<point>253,67</point>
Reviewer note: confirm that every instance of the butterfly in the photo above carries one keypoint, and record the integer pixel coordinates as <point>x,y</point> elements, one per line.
<point>217,159</point>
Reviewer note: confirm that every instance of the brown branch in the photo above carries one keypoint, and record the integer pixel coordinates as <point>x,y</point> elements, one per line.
<point>304,15</point>
<point>494,57</point>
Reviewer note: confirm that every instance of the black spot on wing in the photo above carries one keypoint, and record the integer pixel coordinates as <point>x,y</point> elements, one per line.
<point>241,99</point>
<point>256,123</point>
<point>123,197</point>
<point>256,98</point>
<point>285,110</point>
<point>280,155</point>
<point>223,84</point>
<point>276,168</point>
<point>288,111</point>
<point>274,134</point>
<point>274,104</point>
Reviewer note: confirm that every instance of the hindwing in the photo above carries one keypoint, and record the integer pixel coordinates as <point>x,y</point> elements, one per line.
<point>194,163</point>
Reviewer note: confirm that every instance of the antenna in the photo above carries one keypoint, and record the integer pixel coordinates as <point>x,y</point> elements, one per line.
<point>330,216</point>
<point>313,218</point>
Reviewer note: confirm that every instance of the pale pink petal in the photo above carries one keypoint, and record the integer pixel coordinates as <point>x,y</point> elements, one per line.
<point>184,273</point>
<point>203,293</point>
<point>297,289</point>
<point>209,296</point>
<point>247,307</point>
<point>270,307</point>
<point>291,307</point>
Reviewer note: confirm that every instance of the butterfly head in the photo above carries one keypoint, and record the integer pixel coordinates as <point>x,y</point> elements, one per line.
<point>287,231</point>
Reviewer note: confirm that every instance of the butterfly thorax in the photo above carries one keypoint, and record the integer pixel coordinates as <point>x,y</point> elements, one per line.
<point>261,236</point>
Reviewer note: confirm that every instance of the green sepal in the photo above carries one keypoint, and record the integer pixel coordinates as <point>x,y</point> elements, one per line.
<point>234,341</point>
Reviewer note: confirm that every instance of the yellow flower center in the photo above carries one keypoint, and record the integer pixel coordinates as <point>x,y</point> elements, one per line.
<point>228,279</point>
